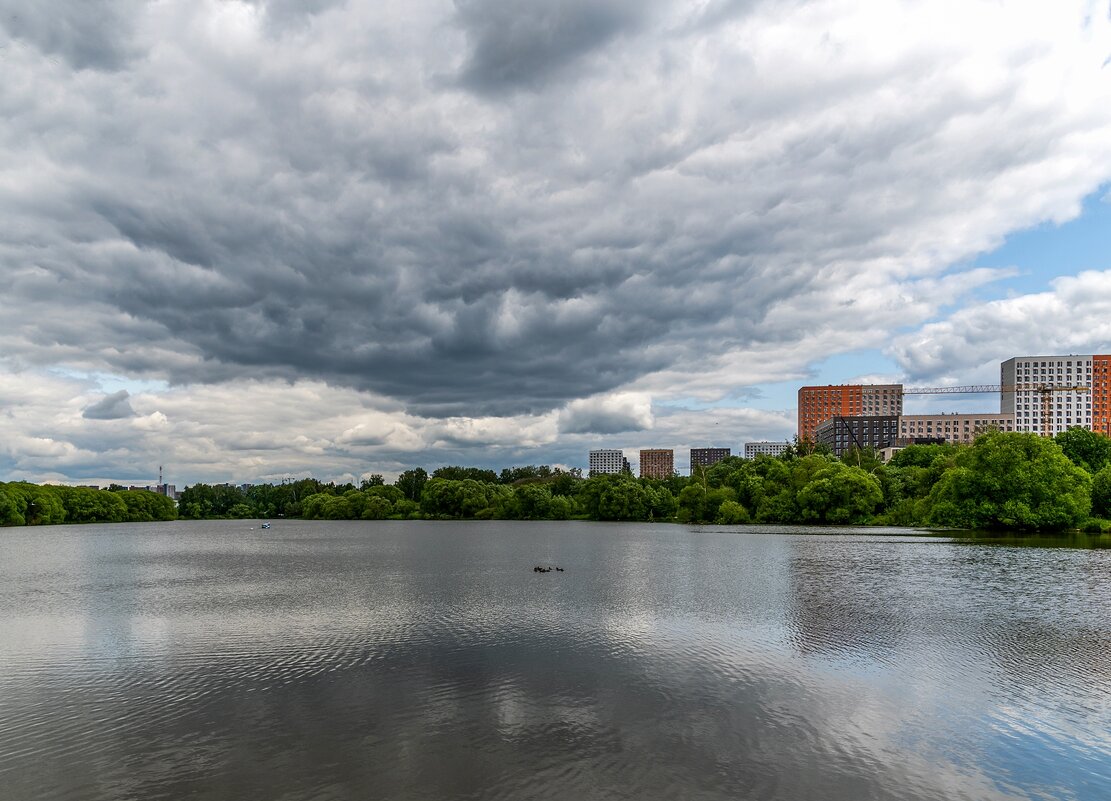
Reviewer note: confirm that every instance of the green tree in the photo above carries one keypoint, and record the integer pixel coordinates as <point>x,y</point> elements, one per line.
<point>731,513</point>
<point>697,504</point>
<point>623,500</point>
<point>561,508</point>
<point>411,483</point>
<point>11,508</point>
<point>565,482</point>
<point>443,497</point>
<point>839,493</point>
<point>531,502</point>
<point>86,505</point>
<point>1101,492</point>
<point>356,503</point>
<point>312,507</point>
<point>377,508</point>
<point>38,506</point>
<point>865,458</point>
<point>387,491</point>
<point>144,506</point>
<point>466,473</point>
<point>922,455</point>
<point>783,480</point>
<point>1087,449</point>
<point>335,507</point>
<point>241,511</point>
<point>209,500</point>
<point>1011,480</point>
<point>405,510</point>
<point>662,505</point>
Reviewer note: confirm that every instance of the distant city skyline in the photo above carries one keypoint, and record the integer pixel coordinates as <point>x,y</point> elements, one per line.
<point>251,240</point>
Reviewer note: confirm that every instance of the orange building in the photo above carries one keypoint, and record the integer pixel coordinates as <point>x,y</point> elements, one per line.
<point>1101,394</point>
<point>657,463</point>
<point>818,404</point>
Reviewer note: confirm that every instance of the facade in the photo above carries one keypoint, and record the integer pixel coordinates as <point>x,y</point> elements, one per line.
<point>959,429</point>
<point>887,454</point>
<point>843,433</point>
<point>607,460</point>
<point>657,463</point>
<point>705,457</point>
<point>752,449</point>
<point>1049,394</point>
<point>820,403</point>
<point>1101,394</point>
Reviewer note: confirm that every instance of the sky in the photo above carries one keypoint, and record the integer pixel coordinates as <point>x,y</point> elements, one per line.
<point>257,239</point>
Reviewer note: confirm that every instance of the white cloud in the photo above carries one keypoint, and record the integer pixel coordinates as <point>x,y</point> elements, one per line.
<point>607,414</point>
<point>481,232</point>
<point>1074,317</point>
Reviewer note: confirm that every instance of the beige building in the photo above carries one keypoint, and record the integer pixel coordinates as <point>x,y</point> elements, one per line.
<point>657,463</point>
<point>955,428</point>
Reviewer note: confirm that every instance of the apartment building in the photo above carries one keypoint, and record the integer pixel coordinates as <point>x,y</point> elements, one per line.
<point>705,457</point>
<point>1049,394</point>
<point>753,449</point>
<point>864,431</point>
<point>959,429</point>
<point>657,463</point>
<point>820,403</point>
<point>1101,394</point>
<point>607,460</point>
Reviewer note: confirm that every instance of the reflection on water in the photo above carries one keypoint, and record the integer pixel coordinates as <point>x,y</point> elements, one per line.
<point>1073,540</point>
<point>428,660</point>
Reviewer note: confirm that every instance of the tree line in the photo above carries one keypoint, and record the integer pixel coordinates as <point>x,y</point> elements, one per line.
<point>24,504</point>
<point>1003,480</point>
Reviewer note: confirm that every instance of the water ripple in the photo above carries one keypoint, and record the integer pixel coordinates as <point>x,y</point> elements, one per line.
<point>350,661</point>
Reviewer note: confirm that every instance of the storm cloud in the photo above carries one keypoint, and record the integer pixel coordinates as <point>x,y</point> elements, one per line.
<point>526,44</point>
<point>470,212</point>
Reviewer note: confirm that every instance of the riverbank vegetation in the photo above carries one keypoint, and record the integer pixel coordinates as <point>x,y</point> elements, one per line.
<point>1008,481</point>
<point>34,504</point>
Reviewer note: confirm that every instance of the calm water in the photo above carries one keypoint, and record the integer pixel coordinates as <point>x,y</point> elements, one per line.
<point>428,661</point>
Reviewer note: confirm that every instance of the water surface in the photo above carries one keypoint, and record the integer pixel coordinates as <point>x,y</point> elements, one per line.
<point>424,660</point>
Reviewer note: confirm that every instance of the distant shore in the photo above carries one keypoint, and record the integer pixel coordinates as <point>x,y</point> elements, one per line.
<point>1002,481</point>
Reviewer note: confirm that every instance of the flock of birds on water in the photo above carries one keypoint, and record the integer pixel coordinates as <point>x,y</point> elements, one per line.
<point>539,569</point>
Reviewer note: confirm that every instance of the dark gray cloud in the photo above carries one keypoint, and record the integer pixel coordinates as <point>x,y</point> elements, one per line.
<point>283,16</point>
<point>88,34</point>
<point>116,406</point>
<point>524,45</point>
<point>607,197</point>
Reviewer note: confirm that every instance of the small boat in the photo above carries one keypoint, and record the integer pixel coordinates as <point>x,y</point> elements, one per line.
<point>265,525</point>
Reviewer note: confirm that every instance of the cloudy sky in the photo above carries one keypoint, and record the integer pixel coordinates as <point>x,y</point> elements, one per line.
<point>251,239</point>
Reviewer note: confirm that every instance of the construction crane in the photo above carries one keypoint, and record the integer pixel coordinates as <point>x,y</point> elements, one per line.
<point>1045,390</point>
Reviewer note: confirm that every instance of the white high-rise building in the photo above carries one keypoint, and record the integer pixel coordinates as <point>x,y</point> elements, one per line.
<point>607,460</point>
<point>768,448</point>
<point>1049,394</point>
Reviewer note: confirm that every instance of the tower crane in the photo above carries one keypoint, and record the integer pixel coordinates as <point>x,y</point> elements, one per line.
<point>1045,390</point>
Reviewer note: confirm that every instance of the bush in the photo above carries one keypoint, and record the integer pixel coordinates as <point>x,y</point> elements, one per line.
<point>1012,480</point>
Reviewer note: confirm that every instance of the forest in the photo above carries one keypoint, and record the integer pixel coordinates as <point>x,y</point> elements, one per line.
<point>1003,481</point>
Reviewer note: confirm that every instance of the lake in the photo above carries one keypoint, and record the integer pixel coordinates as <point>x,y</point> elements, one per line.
<point>428,660</point>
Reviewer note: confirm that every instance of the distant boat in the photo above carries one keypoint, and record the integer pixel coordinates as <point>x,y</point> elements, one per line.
<point>265,525</point>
